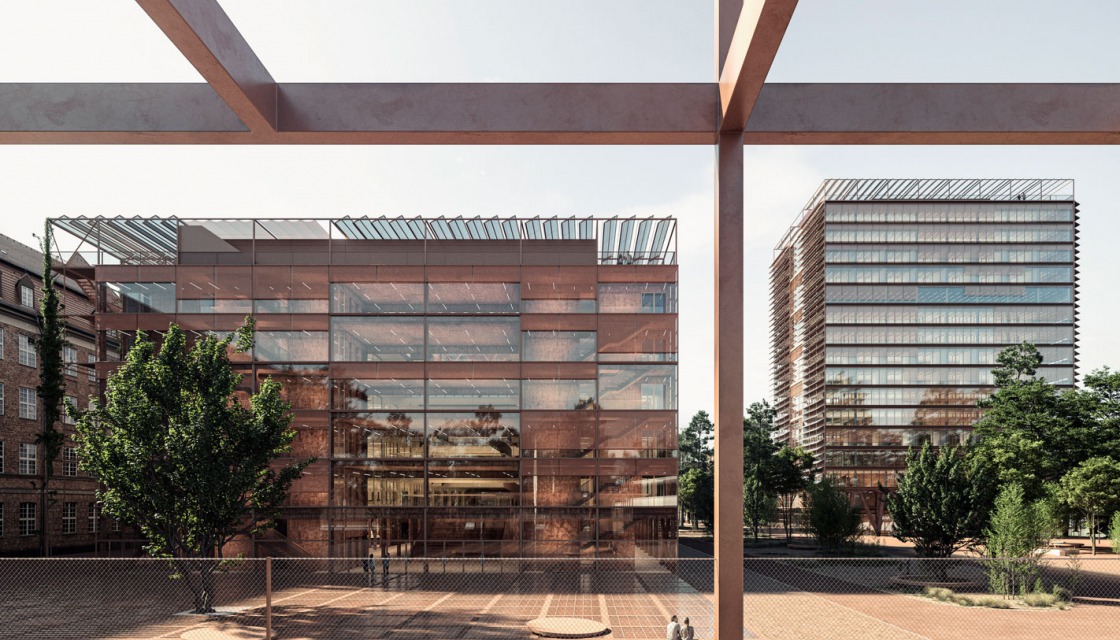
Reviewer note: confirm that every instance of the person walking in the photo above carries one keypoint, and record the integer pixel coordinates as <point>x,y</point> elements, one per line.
<point>687,632</point>
<point>673,629</point>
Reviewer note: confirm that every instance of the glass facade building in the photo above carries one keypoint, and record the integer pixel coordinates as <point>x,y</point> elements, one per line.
<point>467,387</point>
<point>890,301</point>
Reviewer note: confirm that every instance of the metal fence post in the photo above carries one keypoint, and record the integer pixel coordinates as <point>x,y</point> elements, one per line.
<point>268,598</point>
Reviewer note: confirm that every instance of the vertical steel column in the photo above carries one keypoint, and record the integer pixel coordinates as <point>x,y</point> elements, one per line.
<point>729,387</point>
<point>268,598</point>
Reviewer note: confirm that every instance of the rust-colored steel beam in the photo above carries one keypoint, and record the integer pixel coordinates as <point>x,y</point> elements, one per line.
<point>365,114</point>
<point>759,30</point>
<point>729,387</point>
<point>208,38</point>
<point>727,17</point>
<point>936,114</point>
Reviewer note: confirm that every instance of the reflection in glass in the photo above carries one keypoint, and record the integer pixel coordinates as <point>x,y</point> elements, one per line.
<point>144,297</point>
<point>212,305</point>
<point>637,435</point>
<point>473,483</point>
<point>558,306</point>
<point>559,394</point>
<point>484,433</point>
<point>378,298</point>
<point>558,346</point>
<point>474,297</point>
<point>379,395</point>
<point>863,314</point>
<point>558,491</point>
<point>482,395</point>
<point>290,306</point>
<point>379,435</point>
<point>559,434</point>
<point>378,483</point>
<point>932,376</point>
<point>653,297</point>
<point>1001,335</point>
<point>377,339</point>
<point>638,491</point>
<point>304,386</point>
<point>291,346</point>
<point>643,387</point>
<point>473,339</point>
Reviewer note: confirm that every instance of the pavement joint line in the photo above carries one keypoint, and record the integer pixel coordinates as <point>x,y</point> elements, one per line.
<point>433,605</point>
<point>294,595</point>
<point>346,595</point>
<point>604,617</point>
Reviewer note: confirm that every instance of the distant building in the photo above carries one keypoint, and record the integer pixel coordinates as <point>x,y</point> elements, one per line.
<point>72,513</point>
<point>890,300</point>
<point>469,387</point>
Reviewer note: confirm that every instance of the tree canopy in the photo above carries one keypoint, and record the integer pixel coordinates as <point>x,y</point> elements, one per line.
<point>180,457</point>
<point>1092,488</point>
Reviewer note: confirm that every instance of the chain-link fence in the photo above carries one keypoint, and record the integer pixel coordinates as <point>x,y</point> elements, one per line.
<point>491,598</point>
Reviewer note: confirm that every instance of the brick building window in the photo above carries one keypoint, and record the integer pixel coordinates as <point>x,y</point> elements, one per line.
<point>1,456</point>
<point>28,401</point>
<point>1,519</point>
<point>69,461</point>
<point>27,518</point>
<point>27,355</point>
<point>116,526</point>
<point>27,296</point>
<point>1,401</point>
<point>92,361</point>
<point>70,361</point>
<point>72,401</point>
<point>93,515</point>
<point>28,459</point>
<point>69,517</point>
<point>1,343</point>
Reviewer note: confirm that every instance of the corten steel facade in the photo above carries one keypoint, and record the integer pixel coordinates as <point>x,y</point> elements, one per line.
<point>891,300</point>
<point>468,387</point>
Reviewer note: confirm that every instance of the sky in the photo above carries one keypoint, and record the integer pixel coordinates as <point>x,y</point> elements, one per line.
<point>565,41</point>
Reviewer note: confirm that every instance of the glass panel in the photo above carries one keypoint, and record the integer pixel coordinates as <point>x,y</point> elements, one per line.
<point>638,387</point>
<point>837,314</point>
<point>963,253</point>
<point>938,396</point>
<point>304,386</point>
<point>654,297</point>
<point>366,339</point>
<point>973,274</point>
<point>290,306</point>
<point>379,435</point>
<point>474,435</point>
<point>943,213</point>
<point>144,297</point>
<point>921,416</point>
<point>559,525</point>
<point>477,297</point>
<point>473,483</point>
<point>638,491</point>
<point>211,305</point>
<point>558,491</point>
<point>965,233</point>
<point>377,298</point>
<point>559,394</point>
<point>932,376</point>
<point>558,306</point>
<point>291,346</point>
<point>638,338</point>
<point>979,294</point>
<point>472,526</point>
<point>379,395</point>
<point>637,435</point>
<point>563,434</point>
<point>915,355</point>
<point>558,346</point>
<point>474,339</point>
<point>1000,335</point>
<point>483,395</point>
<point>377,483</point>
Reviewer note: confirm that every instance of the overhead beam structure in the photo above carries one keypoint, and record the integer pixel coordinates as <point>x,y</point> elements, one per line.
<point>208,39</point>
<point>759,30</point>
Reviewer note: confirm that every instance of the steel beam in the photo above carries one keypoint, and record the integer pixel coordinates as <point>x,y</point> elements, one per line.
<point>759,30</point>
<point>365,114</point>
<point>729,387</point>
<point>936,114</point>
<point>207,37</point>
<point>727,17</point>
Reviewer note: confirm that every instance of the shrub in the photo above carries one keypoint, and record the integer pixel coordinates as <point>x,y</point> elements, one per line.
<point>833,521</point>
<point>1062,594</point>
<point>1040,599</point>
<point>991,602</point>
<point>1015,537</point>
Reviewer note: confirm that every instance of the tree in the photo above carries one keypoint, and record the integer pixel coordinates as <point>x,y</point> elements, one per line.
<point>1014,539</point>
<point>696,442</point>
<point>1092,488</point>
<point>181,458</point>
<point>759,497</point>
<point>833,521</point>
<point>942,502</point>
<point>1030,432</point>
<point>792,473</point>
<point>696,494</point>
<point>52,384</point>
<point>1114,532</point>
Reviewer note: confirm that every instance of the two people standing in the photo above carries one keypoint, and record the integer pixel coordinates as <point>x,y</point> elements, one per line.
<point>676,631</point>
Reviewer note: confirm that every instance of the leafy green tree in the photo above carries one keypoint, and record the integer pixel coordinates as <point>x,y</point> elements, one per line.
<point>1092,488</point>
<point>942,502</point>
<point>178,456</point>
<point>1018,532</point>
<point>696,442</point>
<point>833,521</point>
<point>1099,408</point>
<point>791,474</point>
<point>52,384</point>
<point>759,497</point>
<point>1030,432</point>
<point>1114,532</point>
<point>696,494</point>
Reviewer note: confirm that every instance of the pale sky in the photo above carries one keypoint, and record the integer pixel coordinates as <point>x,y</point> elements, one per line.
<point>559,41</point>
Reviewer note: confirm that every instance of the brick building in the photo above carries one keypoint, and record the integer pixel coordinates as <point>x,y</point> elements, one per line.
<point>72,512</point>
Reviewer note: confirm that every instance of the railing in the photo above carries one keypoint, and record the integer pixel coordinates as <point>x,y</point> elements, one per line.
<point>1060,597</point>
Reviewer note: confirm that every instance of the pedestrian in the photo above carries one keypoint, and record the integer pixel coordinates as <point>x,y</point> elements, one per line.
<point>673,629</point>
<point>367,564</point>
<point>385,566</point>
<point>687,632</point>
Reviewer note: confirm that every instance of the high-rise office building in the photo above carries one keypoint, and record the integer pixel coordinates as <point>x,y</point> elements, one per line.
<point>890,301</point>
<point>468,387</point>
